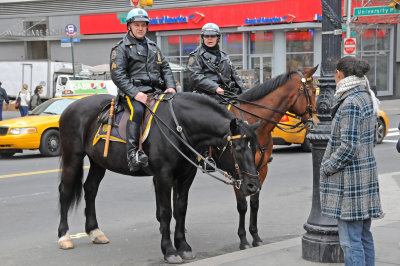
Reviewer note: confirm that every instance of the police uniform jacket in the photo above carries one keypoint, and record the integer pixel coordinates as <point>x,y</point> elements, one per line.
<point>206,74</point>
<point>3,95</point>
<point>349,188</point>
<point>133,70</point>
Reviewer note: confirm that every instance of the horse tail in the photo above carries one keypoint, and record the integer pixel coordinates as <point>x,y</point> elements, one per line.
<point>71,180</point>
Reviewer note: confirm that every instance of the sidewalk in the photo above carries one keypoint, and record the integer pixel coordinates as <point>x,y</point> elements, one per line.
<point>386,234</point>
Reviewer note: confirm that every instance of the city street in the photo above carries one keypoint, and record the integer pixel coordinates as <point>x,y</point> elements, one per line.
<point>126,210</point>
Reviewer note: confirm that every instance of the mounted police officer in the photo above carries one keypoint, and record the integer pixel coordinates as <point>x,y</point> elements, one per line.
<point>210,69</point>
<point>137,68</point>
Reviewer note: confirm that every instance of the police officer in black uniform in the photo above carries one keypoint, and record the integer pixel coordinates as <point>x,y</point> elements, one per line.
<point>210,70</point>
<point>138,67</point>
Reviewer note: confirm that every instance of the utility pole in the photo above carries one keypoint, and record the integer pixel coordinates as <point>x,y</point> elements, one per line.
<point>320,243</point>
<point>348,21</point>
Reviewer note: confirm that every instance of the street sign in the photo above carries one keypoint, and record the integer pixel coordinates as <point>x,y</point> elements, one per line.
<point>70,30</point>
<point>349,46</point>
<point>374,11</point>
<point>69,39</point>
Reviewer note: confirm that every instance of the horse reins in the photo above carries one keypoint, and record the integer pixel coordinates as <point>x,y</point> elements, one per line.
<point>235,182</point>
<point>304,88</point>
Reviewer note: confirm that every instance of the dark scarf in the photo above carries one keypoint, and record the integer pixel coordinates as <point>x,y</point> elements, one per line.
<point>213,50</point>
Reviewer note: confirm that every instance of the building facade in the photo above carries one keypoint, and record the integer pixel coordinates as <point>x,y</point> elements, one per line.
<point>263,38</point>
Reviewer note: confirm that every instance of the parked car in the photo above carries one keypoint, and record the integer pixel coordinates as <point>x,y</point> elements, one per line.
<point>280,137</point>
<point>38,130</point>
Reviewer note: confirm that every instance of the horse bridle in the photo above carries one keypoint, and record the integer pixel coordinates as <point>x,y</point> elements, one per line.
<point>306,89</point>
<point>238,181</point>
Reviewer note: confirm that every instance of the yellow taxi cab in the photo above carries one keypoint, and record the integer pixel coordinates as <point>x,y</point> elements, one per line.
<point>38,130</point>
<point>294,136</point>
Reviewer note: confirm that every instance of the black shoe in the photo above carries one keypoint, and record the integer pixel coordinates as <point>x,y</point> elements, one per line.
<point>137,160</point>
<point>142,158</point>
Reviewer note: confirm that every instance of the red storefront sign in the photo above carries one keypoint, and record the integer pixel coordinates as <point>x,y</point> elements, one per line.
<point>260,13</point>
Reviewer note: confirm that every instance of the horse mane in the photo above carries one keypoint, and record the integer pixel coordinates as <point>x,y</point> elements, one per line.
<point>203,99</point>
<point>267,87</point>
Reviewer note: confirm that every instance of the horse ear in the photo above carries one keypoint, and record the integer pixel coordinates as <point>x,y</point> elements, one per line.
<point>234,125</point>
<point>311,72</point>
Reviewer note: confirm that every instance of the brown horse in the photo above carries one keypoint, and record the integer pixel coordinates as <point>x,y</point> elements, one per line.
<point>292,91</point>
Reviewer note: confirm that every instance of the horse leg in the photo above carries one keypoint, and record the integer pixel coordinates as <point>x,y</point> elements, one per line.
<point>181,194</point>
<point>163,189</point>
<point>254,204</point>
<point>70,191</point>
<point>91,186</point>
<point>241,205</point>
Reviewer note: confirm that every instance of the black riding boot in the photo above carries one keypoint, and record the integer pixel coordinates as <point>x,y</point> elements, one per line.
<point>136,157</point>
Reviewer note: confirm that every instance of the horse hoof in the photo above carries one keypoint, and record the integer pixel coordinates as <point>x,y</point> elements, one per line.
<point>244,246</point>
<point>187,255</point>
<point>66,244</point>
<point>173,259</point>
<point>100,240</point>
<point>258,243</point>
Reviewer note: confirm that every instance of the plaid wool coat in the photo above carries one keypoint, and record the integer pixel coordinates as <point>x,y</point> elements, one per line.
<point>349,188</point>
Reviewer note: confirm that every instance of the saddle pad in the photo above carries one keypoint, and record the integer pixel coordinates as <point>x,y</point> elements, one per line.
<point>119,133</point>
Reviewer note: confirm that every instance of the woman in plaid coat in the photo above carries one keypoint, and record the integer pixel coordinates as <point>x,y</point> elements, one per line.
<point>349,188</point>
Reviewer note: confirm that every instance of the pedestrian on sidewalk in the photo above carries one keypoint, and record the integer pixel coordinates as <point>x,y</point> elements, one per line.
<point>349,188</point>
<point>3,97</point>
<point>35,101</point>
<point>25,99</point>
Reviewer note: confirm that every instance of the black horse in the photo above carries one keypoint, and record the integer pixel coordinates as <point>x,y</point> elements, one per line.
<point>78,126</point>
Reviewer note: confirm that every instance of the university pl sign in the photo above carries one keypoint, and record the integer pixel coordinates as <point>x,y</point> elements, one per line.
<point>375,11</point>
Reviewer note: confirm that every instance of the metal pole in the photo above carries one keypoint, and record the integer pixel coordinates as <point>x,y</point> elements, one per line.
<point>320,243</point>
<point>72,52</point>
<point>348,21</point>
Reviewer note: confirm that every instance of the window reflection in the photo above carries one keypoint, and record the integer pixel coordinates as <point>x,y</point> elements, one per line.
<point>373,46</point>
<point>299,50</point>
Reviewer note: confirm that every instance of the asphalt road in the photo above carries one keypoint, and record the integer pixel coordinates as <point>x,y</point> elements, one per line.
<point>126,211</point>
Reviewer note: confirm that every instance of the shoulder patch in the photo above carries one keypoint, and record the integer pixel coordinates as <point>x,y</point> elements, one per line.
<point>114,54</point>
<point>191,60</point>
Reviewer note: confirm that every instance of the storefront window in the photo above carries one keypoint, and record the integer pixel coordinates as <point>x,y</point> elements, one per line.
<point>261,42</point>
<point>232,43</point>
<point>190,43</point>
<point>373,46</point>
<point>299,50</point>
<point>170,45</point>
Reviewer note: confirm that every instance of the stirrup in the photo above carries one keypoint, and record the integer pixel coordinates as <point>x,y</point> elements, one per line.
<point>133,162</point>
<point>208,167</point>
<point>144,160</point>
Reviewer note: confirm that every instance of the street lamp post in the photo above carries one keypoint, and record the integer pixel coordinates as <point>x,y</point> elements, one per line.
<point>320,243</point>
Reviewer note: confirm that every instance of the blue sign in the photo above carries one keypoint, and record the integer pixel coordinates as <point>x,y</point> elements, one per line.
<point>70,30</point>
<point>66,40</point>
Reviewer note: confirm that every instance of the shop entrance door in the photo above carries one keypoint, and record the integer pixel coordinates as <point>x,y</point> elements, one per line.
<point>263,68</point>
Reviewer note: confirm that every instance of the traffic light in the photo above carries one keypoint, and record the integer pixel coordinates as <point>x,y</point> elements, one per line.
<point>395,4</point>
<point>144,3</point>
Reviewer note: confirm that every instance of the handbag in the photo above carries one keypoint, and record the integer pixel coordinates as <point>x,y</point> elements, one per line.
<point>18,101</point>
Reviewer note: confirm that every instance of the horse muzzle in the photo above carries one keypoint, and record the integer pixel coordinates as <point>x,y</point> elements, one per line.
<point>309,124</point>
